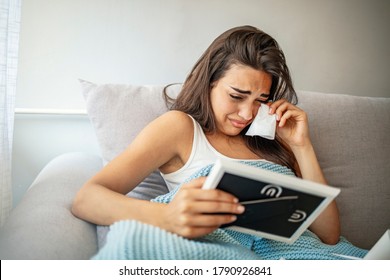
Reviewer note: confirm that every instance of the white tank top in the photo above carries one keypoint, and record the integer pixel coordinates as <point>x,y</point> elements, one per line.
<point>202,154</point>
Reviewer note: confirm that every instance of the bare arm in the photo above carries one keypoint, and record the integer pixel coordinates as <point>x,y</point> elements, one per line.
<point>163,144</point>
<point>327,225</point>
<point>293,129</point>
<point>102,199</point>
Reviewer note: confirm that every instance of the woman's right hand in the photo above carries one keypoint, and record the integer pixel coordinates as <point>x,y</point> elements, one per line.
<point>188,214</point>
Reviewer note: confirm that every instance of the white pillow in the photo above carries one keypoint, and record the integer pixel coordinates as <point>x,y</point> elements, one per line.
<point>118,112</point>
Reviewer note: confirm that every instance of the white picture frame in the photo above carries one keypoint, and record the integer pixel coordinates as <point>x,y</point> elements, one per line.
<point>291,203</point>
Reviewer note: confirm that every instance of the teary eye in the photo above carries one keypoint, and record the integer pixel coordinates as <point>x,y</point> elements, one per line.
<point>264,101</point>
<point>236,97</point>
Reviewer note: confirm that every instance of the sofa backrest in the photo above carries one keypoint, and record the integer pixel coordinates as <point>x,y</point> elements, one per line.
<point>351,136</point>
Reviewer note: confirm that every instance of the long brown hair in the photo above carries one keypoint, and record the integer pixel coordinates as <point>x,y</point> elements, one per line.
<point>249,46</point>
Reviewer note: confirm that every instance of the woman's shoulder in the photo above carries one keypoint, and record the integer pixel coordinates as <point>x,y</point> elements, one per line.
<point>176,114</point>
<point>168,134</point>
<point>171,125</point>
<point>177,120</point>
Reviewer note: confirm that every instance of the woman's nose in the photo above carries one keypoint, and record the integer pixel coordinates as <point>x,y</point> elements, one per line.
<point>246,112</point>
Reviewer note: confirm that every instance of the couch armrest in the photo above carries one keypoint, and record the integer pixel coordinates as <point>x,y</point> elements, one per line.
<point>42,226</point>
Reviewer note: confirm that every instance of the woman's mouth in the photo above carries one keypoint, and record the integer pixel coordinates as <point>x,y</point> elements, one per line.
<point>238,124</point>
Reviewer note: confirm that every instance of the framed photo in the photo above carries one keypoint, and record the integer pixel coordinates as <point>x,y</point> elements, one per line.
<point>277,206</point>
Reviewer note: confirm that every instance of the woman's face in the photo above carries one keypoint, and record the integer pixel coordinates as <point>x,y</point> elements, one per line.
<point>236,98</point>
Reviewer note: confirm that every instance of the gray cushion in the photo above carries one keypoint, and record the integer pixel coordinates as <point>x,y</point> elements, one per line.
<point>42,225</point>
<point>351,136</point>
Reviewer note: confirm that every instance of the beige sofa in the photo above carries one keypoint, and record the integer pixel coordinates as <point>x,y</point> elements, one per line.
<point>351,136</point>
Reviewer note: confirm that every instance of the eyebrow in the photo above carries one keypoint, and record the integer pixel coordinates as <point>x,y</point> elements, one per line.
<point>248,92</point>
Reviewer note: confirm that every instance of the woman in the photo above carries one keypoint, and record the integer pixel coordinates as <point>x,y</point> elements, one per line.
<point>243,68</point>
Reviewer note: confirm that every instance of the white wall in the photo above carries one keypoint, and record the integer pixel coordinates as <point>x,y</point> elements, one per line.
<point>38,139</point>
<point>331,46</point>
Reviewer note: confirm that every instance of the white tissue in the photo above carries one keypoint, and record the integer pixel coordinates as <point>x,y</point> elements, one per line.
<point>264,124</point>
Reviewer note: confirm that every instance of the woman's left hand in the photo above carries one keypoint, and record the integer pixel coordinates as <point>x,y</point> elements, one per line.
<point>292,123</point>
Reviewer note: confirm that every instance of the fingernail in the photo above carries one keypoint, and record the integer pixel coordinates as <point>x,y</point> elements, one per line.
<point>241,208</point>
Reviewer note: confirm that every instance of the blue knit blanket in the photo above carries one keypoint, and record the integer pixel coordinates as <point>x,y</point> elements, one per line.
<point>135,240</point>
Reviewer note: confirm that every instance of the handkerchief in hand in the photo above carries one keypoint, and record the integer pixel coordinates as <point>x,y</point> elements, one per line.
<point>264,124</point>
